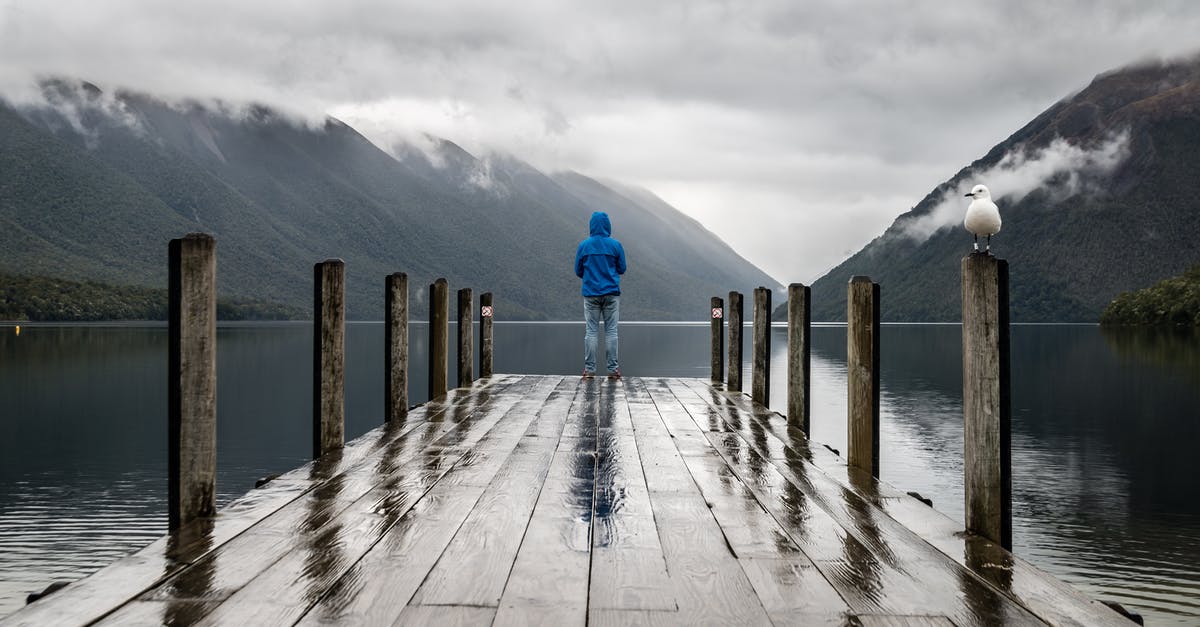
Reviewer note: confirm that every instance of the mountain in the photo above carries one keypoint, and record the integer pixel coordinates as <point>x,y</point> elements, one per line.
<point>93,184</point>
<point>1097,196</point>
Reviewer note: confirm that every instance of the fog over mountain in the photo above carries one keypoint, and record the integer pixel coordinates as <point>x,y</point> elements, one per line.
<point>97,181</point>
<point>1097,197</point>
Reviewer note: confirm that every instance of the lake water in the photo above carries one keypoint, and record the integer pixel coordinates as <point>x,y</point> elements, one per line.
<point>1104,435</point>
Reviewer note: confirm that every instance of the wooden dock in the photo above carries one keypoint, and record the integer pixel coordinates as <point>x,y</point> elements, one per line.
<point>564,501</point>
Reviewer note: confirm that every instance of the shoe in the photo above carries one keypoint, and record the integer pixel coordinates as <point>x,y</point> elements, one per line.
<point>587,375</point>
<point>615,374</point>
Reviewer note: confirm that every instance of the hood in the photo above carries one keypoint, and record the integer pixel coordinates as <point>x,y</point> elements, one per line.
<point>600,224</point>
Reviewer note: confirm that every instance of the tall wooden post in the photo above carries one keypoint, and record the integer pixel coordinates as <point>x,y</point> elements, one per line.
<point>439,337</point>
<point>191,378</point>
<point>987,467</point>
<point>799,341</point>
<point>395,331</point>
<point>466,333</point>
<point>733,381</point>
<point>862,366</point>
<point>329,356</point>
<point>486,313</point>
<point>760,374</point>
<point>718,338</point>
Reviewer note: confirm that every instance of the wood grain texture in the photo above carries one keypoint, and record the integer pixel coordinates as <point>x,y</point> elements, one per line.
<point>191,379</point>
<point>862,369</point>
<point>760,366</point>
<point>733,377</point>
<point>717,343</point>
<point>329,356</point>
<point>395,331</point>
<point>486,335</point>
<point>466,336</point>
<point>987,463</point>
<point>439,337</point>
<point>799,317</point>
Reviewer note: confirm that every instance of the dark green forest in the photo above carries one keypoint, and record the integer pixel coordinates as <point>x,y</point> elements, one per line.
<point>46,299</point>
<point>1170,302</point>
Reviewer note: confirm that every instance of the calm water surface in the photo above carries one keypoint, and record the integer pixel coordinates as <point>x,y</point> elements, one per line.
<point>1104,433</point>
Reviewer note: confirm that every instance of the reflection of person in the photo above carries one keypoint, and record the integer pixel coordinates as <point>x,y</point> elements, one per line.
<point>600,262</point>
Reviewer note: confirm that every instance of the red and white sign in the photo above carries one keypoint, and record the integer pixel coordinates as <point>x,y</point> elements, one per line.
<point>486,312</point>
<point>717,313</point>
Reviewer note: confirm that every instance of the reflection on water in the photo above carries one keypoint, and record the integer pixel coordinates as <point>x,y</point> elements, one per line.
<point>1103,429</point>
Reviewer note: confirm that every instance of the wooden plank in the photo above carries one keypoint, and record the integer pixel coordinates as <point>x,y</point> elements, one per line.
<point>794,592</point>
<point>1048,597</point>
<point>417,616</point>
<point>628,570</point>
<point>108,588</point>
<point>280,566</point>
<point>378,588</point>
<point>475,566</point>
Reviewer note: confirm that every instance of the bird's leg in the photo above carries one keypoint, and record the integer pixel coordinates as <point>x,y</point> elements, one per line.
<point>989,244</point>
<point>976,243</point>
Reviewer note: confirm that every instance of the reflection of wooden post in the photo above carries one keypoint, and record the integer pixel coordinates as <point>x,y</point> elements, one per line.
<point>329,356</point>
<point>466,331</point>
<point>733,381</point>
<point>718,338</point>
<point>486,313</point>
<point>760,375</point>
<point>862,366</point>
<point>395,330</point>
<point>439,337</point>
<point>192,378</point>
<point>799,338</point>
<point>987,467</point>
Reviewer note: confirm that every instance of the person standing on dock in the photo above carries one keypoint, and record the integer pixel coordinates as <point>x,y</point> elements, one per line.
<point>600,262</point>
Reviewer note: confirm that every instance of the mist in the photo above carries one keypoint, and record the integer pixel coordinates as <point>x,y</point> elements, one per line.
<point>1061,168</point>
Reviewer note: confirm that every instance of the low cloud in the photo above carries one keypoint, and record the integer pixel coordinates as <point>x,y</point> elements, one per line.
<point>1062,169</point>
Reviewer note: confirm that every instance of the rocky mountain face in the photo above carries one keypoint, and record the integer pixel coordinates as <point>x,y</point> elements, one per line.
<point>94,184</point>
<point>1098,196</point>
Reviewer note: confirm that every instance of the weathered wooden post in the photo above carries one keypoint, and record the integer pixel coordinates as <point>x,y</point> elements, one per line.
<point>760,374</point>
<point>466,334</point>
<point>987,467</point>
<point>799,341</point>
<point>733,381</point>
<point>439,337</point>
<point>192,378</point>
<point>486,312</point>
<point>718,338</point>
<point>329,356</point>
<point>395,330</point>
<point>862,366</point>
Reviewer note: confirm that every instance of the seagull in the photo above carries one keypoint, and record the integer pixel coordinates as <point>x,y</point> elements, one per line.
<point>983,217</point>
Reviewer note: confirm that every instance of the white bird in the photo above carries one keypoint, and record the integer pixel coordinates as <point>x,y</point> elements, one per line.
<point>983,216</point>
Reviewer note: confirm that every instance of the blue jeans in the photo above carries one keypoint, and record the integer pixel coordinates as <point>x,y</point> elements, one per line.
<point>596,308</point>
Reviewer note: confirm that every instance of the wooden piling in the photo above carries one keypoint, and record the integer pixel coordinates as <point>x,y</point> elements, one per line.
<point>862,366</point>
<point>395,330</point>
<point>486,313</point>
<point>466,332</point>
<point>760,373</point>
<point>733,381</point>
<point>192,378</point>
<point>799,342</point>
<point>439,337</point>
<point>987,467</point>
<point>718,338</point>
<point>329,356</point>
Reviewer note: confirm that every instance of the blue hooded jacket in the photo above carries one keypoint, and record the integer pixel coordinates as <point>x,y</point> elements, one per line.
<point>600,259</point>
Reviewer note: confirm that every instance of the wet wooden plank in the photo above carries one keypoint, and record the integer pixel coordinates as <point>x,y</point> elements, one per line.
<point>378,588</point>
<point>794,592</point>
<point>884,568</point>
<point>321,533</point>
<point>628,570</point>
<point>1046,596</point>
<point>111,587</point>
<point>455,616</point>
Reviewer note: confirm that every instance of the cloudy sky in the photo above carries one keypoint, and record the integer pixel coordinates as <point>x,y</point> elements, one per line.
<point>797,131</point>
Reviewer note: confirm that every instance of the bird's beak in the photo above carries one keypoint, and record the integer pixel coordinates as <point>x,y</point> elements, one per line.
<point>971,195</point>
